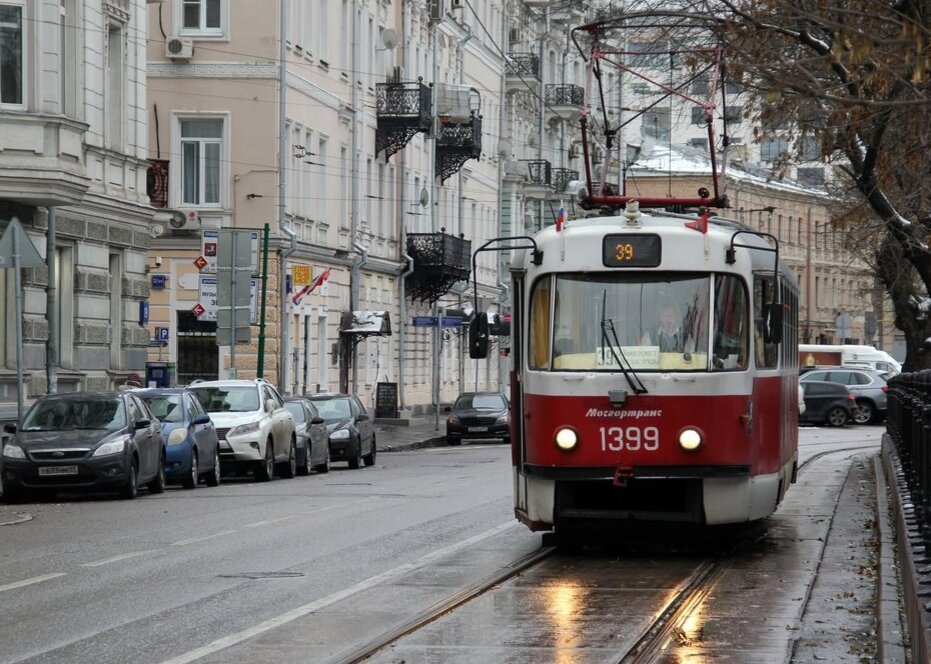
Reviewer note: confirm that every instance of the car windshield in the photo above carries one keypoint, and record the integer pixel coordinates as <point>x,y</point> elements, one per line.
<point>68,414</point>
<point>228,399</point>
<point>480,402</point>
<point>334,409</point>
<point>166,407</point>
<point>295,409</point>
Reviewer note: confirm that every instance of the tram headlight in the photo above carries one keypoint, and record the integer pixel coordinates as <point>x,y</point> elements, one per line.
<point>566,439</point>
<point>690,439</point>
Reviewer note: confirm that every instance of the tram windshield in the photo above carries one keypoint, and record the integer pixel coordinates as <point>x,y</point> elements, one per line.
<point>664,322</point>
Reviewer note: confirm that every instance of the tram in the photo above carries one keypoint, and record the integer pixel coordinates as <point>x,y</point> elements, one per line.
<point>612,417</point>
<point>654,353</point>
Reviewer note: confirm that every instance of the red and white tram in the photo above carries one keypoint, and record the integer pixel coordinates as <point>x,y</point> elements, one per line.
<point>615,418</point>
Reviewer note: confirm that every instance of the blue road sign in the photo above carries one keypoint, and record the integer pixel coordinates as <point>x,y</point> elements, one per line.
<point>157,343</point>
<point>452,321</point>
<point>162,333</point>
<point>158,282</point>
<point>425,321</point>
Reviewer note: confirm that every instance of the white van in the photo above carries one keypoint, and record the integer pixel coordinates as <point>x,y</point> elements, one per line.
<point>810,355</point>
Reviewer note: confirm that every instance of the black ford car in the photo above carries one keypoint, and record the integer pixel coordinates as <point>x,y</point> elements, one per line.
<point>85,441</point>
<point>478,415</point>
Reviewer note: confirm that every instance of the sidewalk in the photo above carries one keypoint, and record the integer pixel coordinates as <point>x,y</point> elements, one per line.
<point>410,434</point>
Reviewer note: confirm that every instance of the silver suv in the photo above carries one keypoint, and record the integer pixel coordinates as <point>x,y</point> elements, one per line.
<point>255,429</point>
<point>868,387</point>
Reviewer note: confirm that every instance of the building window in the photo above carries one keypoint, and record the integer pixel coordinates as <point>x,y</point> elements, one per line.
<point>202,17</point>
<point>733,113</point>
<point>772,149</point>
<point>114,91</point>
<point>698,143</point>
<point>12,68</point>
<point>810,177</point>
<point>699,116</point>
<point>656,123</point>
<point>201,153</point>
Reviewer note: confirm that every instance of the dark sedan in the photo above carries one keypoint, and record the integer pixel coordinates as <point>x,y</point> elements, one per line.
<point>192,450</point>
<point>313,446</point>
<point>827,403</point>
<point>85,440</point>
<point>352,436</point>
<point>478,415</point>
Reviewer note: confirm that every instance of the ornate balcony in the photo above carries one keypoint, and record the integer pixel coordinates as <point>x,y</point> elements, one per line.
<point>561,177</point>
<point>569,11</point>
<point>440,260</point>
<point>563,103</point>
<point>457,143</point>
<point>403,109</point>
<point>539,181</point>
<point>522,72</point>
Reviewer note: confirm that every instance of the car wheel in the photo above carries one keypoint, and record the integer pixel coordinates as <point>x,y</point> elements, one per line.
<point>864,413</point>
<point>325,466</point>
<point>213,477</point>
<point>190,480</point>
<point>289,469</point>
<point>305,468</point>
<point>453,440</point>
<point>369,459</point>
<point>356,460</point>
<point>130,490</point>
<point>157,484</point>
<point>266,469</point>
<point>837,417</point>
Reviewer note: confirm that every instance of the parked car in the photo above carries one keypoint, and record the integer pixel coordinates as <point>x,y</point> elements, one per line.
<point>868,387</point>
<point>478,415</point>
<point>85,440</point>
<point>827,403</point>
<point>192,449</point>
<point>256,431</point>
<point>352,436</point>
<point>313,445</point>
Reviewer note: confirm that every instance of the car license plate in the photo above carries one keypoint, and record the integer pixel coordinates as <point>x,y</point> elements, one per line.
<point>58,470</point>
<point>477,429</point>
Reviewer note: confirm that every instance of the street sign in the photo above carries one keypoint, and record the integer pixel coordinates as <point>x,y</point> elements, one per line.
<point>198,310</point>
<point>157,343</point>
<point>200,262</point>
<point>424,321</point>
<point>158,282</point>
<point>28,254</point>
<point>208,298</point>
<point>161,333</point>
<point>452,321</point>
<point>143,312</point>
<point>301,275</point>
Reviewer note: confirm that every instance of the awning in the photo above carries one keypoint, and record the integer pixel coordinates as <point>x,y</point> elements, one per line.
<point>365,323</point>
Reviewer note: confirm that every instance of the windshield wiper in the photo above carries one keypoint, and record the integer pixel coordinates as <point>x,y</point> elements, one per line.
<point>607,325</point>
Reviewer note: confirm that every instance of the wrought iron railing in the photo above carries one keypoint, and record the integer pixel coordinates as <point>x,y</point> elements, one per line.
<point>440,260</point>
<point>457,143</point>
<point>564,95</point>
<point>561,177</point>
<point>523,64</point>
<point>403,109</point>
<point>539,171</point>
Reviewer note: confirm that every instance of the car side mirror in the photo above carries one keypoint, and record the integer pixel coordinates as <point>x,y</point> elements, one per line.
<point>478,337</point>
<point>269,405</point>
<point>143,423</point>
<point>362,417</point>
<point>318,420</point>
<point>202,418</point>
<point>9,427</point>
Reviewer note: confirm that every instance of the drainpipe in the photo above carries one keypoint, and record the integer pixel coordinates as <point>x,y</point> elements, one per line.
<point>354,75</point>
<point>285,351</point>
<point>402,326</point>
<point>282,191</point>
<point>51,304</point>
<point>356,276</point>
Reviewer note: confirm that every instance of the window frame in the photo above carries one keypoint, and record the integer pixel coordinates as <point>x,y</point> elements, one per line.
<point>202,32</point>
<point>24,72</point>
<point>176,175</point>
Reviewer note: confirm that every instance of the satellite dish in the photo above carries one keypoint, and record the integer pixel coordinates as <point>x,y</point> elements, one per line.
<point>389,38</point>
<point>424,197</point>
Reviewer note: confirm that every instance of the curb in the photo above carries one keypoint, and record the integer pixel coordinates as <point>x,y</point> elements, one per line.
<point>416,445</point>
<point>891,645</point>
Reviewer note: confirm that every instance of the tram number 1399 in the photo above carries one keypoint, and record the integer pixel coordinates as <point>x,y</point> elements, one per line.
<point>632,439</point>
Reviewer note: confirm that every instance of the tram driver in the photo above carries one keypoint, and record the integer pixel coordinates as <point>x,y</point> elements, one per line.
<point>669,335</point>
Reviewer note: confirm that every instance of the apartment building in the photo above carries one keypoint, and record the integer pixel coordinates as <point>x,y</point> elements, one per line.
<point>73,131</point>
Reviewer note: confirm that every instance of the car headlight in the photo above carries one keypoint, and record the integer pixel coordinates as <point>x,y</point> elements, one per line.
<point>177,436</point>
<point>690,439</point>
<point>243,429</point>
<point>566,439</point>
<point>113,447</point>
<point>453,421</point>
<point>13,452</point>
<point>339,434</point>
<point>502,420</point>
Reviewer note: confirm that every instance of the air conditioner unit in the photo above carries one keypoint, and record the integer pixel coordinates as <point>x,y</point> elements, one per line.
<point>178,48</point>
<point>185,220</point>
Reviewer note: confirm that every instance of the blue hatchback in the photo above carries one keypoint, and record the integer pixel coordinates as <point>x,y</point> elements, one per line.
<point>191,444</point>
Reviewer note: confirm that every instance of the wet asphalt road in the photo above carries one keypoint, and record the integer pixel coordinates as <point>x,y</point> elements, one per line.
<point>304,569</point>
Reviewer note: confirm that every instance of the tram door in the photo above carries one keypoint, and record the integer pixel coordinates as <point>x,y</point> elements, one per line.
<point>198,356</point>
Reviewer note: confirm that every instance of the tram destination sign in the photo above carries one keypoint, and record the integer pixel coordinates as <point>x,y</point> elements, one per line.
<point>632,250</point>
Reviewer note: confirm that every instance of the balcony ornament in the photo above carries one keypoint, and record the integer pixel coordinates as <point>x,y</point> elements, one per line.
<point>440,260</point>
<point>456,144</point>
<point>403,110</point>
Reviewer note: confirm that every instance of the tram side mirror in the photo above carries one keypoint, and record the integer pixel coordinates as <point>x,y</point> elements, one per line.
<point>478,337</point>
<point>772,323</point>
